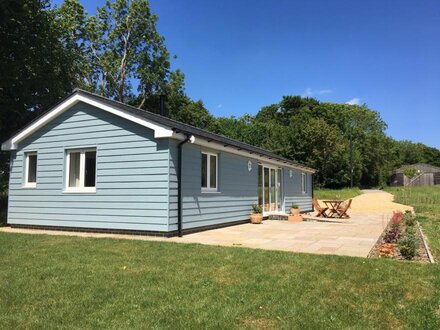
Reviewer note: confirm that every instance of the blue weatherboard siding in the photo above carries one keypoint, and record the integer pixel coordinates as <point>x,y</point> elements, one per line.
<point>131,182</point>
<point>237,189</point>
<point>293,191</point>
<point>136,181</point>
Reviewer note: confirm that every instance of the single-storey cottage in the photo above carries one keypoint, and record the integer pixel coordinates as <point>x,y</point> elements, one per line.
<point>91,163</point>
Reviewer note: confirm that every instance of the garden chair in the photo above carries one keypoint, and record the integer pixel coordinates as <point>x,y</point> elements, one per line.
<point>321,210</point>
<point>342,210</point>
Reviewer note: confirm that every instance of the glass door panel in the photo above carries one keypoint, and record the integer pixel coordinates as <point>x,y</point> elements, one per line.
<point>279,191</point>
<point>272,190</point>
<point>260,185</point>
<point>266,207</point>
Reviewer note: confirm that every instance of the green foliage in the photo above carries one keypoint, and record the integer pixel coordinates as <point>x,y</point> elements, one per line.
<point>342,194</point>
<point>426,203</point>
<point>35,68</point>
<point>408,246</point>
<point>410,172</point>
<point>294,206</point>
<point>409,219</point>
<point>257,209</point>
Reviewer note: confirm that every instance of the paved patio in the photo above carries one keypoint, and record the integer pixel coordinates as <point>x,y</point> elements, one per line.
<point>352,237</point>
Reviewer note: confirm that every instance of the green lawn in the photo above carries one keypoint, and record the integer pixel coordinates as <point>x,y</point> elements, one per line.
<point>343,194</point>
<point>71,282</point>
<point>426,202</point>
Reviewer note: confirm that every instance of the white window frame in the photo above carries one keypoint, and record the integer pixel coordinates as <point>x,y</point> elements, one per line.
<point>304,182</point>
<point>26,183</point>
<point>208,188</point>
<point>82,170</point>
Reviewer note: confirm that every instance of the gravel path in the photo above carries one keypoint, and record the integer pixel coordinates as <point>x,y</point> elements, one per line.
<point>376,200</point>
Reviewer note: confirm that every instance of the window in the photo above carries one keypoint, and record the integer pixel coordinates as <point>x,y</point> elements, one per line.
<point>81,170</point>
<point>30,175</point>
<point>304,182</point>
<point>209,172</point>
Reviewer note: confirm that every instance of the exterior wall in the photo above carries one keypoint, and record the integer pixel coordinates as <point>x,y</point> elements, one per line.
<point>293,191</point>
<point>131,175</point>
<point>237,189</point>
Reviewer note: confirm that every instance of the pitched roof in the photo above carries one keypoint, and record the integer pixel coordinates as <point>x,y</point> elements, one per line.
<point>175,126</point>
<point>426,168</point>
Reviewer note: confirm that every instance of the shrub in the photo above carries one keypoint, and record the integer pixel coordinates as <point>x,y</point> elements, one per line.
<point>392,235</point>
<point>257,208</point>
<point>408,246</point>
<point>411,230</point>
<point>409,219</point>
<point>294,206</point>
<point>396,219</point>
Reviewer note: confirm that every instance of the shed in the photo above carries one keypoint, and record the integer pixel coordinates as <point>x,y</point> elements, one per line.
<point>91,163</point>
<point>425,175</point>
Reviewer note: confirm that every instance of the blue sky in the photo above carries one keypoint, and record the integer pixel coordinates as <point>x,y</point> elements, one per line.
<point>241,55</point>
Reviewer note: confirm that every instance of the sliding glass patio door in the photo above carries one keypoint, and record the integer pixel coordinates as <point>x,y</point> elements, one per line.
<point>269,188</point>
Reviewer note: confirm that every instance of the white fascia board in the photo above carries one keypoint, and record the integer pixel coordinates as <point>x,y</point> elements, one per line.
<point>248,154</point>
<point>160,131</point>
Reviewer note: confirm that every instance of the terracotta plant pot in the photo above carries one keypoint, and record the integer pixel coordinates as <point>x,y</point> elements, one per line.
<point>256,218</point>
<point>294,218</point>
<point>294,211</point>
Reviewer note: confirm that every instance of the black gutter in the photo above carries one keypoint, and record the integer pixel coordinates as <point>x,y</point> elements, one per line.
<point>179,185</point>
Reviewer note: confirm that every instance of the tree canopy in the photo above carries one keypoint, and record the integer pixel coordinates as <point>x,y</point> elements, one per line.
<point>47,51</point>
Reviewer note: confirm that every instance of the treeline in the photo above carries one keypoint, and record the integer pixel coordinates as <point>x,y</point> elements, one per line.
<point>45,52</point>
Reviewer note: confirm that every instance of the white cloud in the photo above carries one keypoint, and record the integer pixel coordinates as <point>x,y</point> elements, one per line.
<point>354,101</point>
<point>311,92</point>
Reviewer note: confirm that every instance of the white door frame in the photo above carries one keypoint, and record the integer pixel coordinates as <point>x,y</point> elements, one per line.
<point>278,186</point>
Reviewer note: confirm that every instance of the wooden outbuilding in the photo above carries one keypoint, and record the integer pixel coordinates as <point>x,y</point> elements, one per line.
<point>424,175</point>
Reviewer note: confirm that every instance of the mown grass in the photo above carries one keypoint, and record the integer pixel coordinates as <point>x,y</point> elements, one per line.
<point>426,203</point>
<point>344,194</point>
<point>71,282</point>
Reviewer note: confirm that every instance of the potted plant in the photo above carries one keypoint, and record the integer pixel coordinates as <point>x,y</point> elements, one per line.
<point>294,209</point>
<point>257,214</point>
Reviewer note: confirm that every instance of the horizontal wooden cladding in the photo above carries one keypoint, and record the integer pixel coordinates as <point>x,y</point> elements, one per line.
<point>89,205</point>
<point>131,182</point>
<point>89,199</point>
<point>91,211</point>
<point>217,221</point>
<point>90,224</point>
<point>36,218</point>
<point>237,190</point>
<point>18,191</point>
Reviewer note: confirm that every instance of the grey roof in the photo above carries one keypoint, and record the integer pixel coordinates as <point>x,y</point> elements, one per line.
<point>425,168</point>
<point>180,127</point>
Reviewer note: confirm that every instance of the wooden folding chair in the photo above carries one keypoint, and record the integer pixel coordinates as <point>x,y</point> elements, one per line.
<point>321,210</point>
<point>342,211</point>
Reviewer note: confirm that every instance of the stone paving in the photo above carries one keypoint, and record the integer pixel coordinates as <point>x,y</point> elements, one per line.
<point>351,237</point>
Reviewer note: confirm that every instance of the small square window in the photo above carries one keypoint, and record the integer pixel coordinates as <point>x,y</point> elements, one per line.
<point>81,170</point>
<point>30,179</point>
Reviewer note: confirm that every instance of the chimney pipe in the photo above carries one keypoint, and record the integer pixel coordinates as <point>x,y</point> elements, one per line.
<point>162,105</point>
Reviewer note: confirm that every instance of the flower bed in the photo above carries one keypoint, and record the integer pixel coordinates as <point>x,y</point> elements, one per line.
<point>401,239</point>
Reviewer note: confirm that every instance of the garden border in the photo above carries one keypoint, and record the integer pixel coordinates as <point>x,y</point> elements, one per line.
<point>425,244</point>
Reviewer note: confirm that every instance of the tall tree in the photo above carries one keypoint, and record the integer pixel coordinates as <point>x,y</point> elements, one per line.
<point>35,70</point>
<point>125,49</point>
